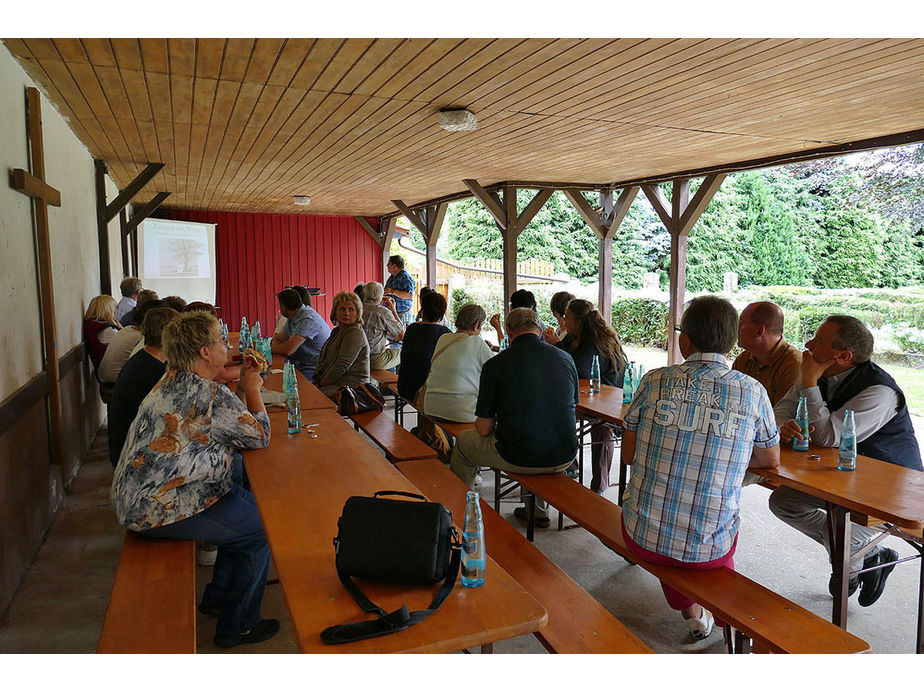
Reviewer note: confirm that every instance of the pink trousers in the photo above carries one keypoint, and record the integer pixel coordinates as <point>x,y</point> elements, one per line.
<point>675,599</point>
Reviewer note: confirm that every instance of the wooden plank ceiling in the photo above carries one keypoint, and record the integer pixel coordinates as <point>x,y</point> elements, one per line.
<point>244,124</point>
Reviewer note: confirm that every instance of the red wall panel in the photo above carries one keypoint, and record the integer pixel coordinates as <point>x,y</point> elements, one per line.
<point>257,255</point>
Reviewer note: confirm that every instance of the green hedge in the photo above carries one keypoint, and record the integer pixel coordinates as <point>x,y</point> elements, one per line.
<point>641,321</point>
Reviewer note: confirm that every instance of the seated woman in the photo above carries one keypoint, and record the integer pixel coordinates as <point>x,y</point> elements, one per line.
<point>344,358</point>
<point>99,327</point>
<point>419,342</point>
<point>122,346</point>
<point>138,377</point>
<point>558,304</point>
<point>174,477</point>
<point>589,336</point>
<point>455,369</point>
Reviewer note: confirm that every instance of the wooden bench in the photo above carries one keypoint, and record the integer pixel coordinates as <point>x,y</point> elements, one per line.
<point>772,622</point>
<point>388,383</point>
<point>397,442</point>
<point>152,606</point>
<point>577,622</point>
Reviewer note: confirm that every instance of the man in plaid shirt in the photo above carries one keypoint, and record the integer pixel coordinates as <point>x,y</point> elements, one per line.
<point>691,433</point>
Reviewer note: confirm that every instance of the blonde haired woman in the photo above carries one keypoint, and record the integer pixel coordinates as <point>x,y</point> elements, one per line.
<point>99,327</point>
<point>344,358</point>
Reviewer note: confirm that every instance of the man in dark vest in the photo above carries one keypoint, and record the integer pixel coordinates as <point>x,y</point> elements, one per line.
<point>836,375</point>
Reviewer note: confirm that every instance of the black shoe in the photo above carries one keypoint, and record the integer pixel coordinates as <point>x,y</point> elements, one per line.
<point>852,585</point>
<point>875,580</point>
<point>541,522</point>
<point>264,630</point>
<point>210,609</point>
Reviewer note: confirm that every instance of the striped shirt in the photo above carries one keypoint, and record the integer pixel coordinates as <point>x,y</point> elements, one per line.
<point>697,424</point>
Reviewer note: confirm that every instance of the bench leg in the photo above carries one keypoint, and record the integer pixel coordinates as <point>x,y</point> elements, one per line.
<point>531,517</point>
<point>488,648</point>
<point>920,647</point>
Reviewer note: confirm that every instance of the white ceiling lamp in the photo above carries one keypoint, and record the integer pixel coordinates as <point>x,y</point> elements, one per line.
<point>301,200</point>
<point>457,119</point>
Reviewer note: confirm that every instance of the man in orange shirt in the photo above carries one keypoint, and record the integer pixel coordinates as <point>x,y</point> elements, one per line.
<point>767,357</point>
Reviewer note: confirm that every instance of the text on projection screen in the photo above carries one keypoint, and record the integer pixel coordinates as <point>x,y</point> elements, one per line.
<point>177,258</point>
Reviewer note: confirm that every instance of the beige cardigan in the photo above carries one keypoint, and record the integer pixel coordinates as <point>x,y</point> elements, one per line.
<point>344,358</point>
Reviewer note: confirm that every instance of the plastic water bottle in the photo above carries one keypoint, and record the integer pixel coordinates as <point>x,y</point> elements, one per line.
<point>802,420</point>
<point>595,375</point>
<point>504,343</point>
<point>244,336</point>
<point>628,384</point>
<point>295,408</point>
<point>638,376</point>
<point>847,452</point>
<point>474,558</point>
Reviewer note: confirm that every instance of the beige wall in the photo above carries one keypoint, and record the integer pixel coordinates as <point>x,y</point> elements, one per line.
<point>31,487</point>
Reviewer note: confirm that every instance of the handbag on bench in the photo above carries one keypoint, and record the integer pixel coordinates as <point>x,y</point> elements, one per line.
<point>395,541</point>
<point>358,398</point>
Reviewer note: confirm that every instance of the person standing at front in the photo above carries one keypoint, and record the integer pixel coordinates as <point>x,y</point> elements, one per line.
<point>691,432</point>
<point>400,286</point>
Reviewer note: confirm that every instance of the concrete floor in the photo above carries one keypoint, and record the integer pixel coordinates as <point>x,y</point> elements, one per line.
<point>61,603</point>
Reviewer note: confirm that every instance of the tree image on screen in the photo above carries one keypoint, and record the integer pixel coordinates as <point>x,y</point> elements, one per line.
<point>180,257</point>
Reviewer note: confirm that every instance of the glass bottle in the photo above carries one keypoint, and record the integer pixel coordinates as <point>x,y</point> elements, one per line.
<point>847,452</point>
<point>474,558</point>
<point>638,376</point>
<point>243,341</point>
<point>595,375</point>
<point>628,385</point>
<point>802,420</point>
<point>294,407</point>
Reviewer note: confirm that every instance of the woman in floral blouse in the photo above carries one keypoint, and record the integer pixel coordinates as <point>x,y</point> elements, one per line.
<point>175,475</point>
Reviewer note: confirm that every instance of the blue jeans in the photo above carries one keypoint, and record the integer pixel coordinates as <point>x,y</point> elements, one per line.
<point>239,576</point>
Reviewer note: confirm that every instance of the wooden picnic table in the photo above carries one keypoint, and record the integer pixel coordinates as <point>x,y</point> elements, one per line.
<point>888,492</point>
<point>300,484</point>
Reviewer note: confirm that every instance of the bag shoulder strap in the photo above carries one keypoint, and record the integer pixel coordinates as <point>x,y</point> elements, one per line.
<point>387,622</point>
<point>449,343</point>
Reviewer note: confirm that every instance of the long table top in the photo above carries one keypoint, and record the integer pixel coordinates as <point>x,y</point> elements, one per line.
<point>878,489</point>
<point>605,405</point>
<point>300,484</point>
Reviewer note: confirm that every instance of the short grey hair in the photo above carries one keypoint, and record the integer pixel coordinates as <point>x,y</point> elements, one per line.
<point>183,336</point>
<point>469,315</point>
<point>853,336</point>
<point>711,323</point>
<point>523,320</point>
<point>130,286</point>
<point>373,292</point>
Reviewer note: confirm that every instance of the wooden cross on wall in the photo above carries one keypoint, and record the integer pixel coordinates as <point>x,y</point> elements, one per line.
<point>34,185</point>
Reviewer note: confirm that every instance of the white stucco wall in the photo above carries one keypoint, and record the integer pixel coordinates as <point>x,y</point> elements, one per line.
<point>74,247</point>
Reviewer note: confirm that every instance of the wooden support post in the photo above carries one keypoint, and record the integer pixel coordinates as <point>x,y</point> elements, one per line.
<point>388,234</point>
<point>509,223</point>
<point>123,238</point>
<point>679,216</point>
<point>34,185</point>
<point>107,212</point>
<point>141,213</point>
<point>429,221</point>
<point>604,223</point>
<point>102,228</point>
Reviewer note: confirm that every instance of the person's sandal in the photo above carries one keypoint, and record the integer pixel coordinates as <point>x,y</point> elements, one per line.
<point>541,522</point>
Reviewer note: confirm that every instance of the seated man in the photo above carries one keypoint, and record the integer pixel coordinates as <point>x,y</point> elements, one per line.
<point>836,375</point>
<point>524,416</point>
<point>767,357</point>
<point>304,334</point>
<point>691,433</point>
<point>129,287</point>
<point>380,323</point>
